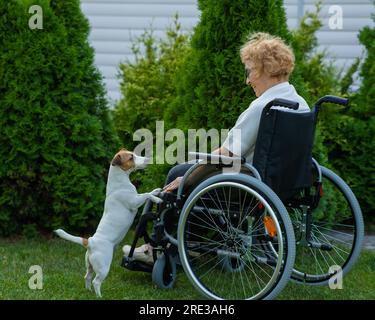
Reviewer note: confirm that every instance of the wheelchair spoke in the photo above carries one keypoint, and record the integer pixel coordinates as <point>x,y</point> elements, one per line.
<point>218,279</point>
<point>222,211</point>
<point>205,227</point>
<point>260,268</point>
<point>314,254</point>
<point>216,264</point>
<point>228,213</point>
<point>243,285</point>
<point>249,282</point>
<point>202,237</point>
<point>200,255</point>
<point>218,200</point>
<point>234,284</point>
<point>335,231</point>
<point>206,246</point>
<point>350,226</point>
<point>208,261</point>
<point>247,214</point>
<point>328,255</point>
<point>218,229</point>
<point>334,239</point>
<point>257,278</point>
<point>336,248</point>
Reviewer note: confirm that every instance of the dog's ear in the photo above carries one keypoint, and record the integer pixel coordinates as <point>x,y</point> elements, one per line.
<point>117,161</point>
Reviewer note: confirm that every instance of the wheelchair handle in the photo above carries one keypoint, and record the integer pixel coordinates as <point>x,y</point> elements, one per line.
<point>282,103</point>
<point>332,99</point>
<point>328,99</point>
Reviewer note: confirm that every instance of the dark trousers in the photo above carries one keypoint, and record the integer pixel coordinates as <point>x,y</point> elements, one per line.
<point>177,171</point>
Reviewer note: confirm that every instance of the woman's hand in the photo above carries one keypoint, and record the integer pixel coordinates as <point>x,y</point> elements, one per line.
<point>173,185</point>
<point>223,152</point>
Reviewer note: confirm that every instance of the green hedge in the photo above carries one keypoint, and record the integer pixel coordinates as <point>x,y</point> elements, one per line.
<point>56,135</point>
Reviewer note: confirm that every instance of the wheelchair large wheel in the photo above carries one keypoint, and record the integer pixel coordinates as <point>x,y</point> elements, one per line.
<point>337,232</point>
<point>223,230</point>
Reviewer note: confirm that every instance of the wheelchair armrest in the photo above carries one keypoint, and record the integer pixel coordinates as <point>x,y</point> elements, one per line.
<point>216,158</point>
<point>282,103</point>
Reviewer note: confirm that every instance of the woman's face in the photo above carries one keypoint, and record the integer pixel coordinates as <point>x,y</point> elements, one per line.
<point>260,82</point>
<point>254,79</point>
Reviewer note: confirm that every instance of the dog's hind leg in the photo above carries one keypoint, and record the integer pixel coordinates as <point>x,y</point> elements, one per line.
<point>101,263</point>
<point>97,282</point>
<point>89,272</point>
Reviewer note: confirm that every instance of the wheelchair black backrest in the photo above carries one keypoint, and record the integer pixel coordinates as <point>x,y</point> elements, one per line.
<point>283,149</point>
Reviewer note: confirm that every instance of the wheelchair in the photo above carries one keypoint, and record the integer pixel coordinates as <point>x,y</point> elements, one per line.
<point>242,231</point>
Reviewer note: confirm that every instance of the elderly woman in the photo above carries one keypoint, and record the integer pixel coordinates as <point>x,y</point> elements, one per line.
<point>268,63</point>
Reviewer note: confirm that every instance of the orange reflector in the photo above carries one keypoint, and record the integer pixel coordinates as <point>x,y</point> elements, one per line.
<point>321,192</point>
<point>270,226</point>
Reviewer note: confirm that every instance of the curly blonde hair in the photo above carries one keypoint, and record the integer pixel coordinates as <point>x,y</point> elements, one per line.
<point>269,54</point>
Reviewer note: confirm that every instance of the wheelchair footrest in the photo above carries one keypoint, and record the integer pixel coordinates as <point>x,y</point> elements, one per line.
<point>134,265</point>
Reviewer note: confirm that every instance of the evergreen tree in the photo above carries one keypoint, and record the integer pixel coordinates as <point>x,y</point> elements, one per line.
<point>148,88</point>
<point>56,136</point>
<point>366,96</point>
<point>354,151</point>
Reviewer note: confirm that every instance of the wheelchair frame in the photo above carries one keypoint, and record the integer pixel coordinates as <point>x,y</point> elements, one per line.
<point>170,250</point>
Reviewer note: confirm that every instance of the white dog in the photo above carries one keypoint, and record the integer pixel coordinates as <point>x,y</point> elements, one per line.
<point>120,207</point>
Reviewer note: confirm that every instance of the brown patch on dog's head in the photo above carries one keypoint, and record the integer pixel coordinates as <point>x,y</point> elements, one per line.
<point>123,159</point>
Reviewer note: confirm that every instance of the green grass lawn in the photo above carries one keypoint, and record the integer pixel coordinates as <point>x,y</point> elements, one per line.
<point>63,270</point>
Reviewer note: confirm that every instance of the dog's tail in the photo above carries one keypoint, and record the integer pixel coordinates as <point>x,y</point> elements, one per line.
<point>79,240</point>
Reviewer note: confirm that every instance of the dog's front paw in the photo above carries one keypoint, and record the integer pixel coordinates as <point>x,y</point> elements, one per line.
<point>156,191</point>
<point>156,199</point>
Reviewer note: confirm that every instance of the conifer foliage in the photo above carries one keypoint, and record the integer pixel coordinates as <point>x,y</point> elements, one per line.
<point>56,136</point>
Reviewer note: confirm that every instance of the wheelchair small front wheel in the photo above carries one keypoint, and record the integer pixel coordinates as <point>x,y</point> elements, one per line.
<point>223,230</point>
<point>164,272</point>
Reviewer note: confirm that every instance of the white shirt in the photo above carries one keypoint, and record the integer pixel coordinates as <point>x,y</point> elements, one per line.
<point>242,137</point>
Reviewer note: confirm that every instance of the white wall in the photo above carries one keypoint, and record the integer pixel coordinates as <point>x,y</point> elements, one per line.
<point>115,23</point>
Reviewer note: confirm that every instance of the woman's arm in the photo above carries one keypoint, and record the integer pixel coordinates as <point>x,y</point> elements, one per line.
<point>175,183</point>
